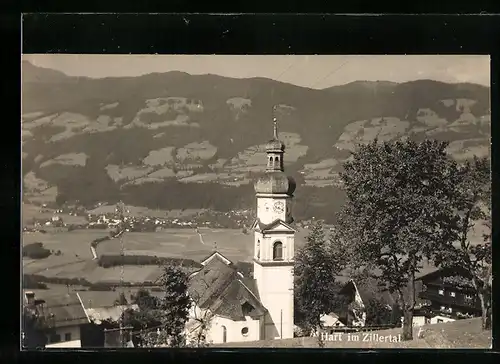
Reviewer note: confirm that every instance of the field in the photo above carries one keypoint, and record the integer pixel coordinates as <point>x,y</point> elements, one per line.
<point>76,259</point>
<point>30,212</point>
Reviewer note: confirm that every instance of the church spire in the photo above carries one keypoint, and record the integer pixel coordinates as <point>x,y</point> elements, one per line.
<point>275,128</point>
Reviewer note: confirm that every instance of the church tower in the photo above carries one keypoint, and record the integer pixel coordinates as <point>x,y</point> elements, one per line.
<point>274,241</point>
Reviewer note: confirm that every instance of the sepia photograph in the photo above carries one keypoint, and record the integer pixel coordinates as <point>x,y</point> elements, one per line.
<point>256,201</point>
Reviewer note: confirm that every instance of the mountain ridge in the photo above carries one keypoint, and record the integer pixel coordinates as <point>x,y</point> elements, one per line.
<point>136,137</point>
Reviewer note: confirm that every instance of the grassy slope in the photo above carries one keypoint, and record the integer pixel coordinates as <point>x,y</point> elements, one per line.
<point>453,335</point>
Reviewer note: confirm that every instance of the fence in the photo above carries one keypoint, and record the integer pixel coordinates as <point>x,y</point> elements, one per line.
<point>350,329</point>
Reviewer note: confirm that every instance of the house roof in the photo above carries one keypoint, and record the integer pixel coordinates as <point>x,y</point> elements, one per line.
<point>443,272</point>
<point>370,288</point>
<point>65,308</point>
<point>223,290</point>
<point>213,255</point>
<point>97,315</point>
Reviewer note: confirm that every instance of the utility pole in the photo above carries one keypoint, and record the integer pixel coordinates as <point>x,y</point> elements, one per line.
<point>120,210</point>
<point>281,324</point>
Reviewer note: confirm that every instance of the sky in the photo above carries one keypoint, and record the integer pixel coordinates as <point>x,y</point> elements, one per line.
<point>313,71</point>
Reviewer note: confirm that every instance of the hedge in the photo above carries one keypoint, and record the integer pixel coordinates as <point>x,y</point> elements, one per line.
<point>35,279</point>
<point>108,261</point>
<point>30,283</point>
<point>35,251</point>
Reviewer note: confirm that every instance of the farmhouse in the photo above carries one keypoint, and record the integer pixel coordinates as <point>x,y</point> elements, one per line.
<point>259,307</point>
<point>74,319</point>
<point>64,315</point>
<point>451,296</point>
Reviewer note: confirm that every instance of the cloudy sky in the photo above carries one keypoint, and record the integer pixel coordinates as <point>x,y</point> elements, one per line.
<point>314,71</point>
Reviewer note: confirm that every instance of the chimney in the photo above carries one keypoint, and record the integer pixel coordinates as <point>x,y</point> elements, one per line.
<point>30,297</point>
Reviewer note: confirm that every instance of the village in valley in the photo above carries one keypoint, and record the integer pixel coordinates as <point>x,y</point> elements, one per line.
<point>389,248</point>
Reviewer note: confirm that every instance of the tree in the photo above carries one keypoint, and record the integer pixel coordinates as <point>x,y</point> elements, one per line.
<point>473,207</point>
<point>398,210</point>
<point>144,300</point>
<point>175,303</point>
<point>35,328</point>
<point>200,319</point>
<point>316,266</point>
<point>122,300</point>
<point>161,321</point>
<point>379,313</point>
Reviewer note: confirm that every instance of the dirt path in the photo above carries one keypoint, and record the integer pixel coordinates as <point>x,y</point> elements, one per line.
<point>200,236</point>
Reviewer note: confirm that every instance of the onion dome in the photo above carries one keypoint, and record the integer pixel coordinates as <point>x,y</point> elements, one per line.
<point>275,145</point>
<point>275,182</point>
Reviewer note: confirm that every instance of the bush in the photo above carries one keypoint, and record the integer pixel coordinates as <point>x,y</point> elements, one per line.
<point>108,261</point>
<point>30,283</point>
<point>100,287</point>
<point>57,280</point>
<point>35,251</point>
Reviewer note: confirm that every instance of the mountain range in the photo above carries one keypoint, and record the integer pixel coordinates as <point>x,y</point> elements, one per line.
<point>174,140</point>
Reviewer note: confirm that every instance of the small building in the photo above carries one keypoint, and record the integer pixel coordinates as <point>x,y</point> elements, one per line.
<point>331,320</point>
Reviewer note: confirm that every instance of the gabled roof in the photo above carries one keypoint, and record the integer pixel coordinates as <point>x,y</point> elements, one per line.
<point>65,308</point>
<point>219,287</point>
<point>97,315</point>
<point>276,225</point>
<point>214,255</point>
<point>369,288</point>
<point>443,272</point>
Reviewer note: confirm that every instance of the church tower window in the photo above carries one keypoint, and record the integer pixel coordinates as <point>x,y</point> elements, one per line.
<point>278,251</point>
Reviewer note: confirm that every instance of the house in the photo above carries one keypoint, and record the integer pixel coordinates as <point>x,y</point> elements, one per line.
<point>359,293</point>
<point>244,308</point>
<point>64,315</point>
<point>450,294</point>
<point>76,319</point>
<point>331,320</point>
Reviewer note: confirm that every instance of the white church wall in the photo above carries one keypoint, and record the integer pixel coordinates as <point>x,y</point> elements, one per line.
<point>236,331</point>
<point>276,293</point>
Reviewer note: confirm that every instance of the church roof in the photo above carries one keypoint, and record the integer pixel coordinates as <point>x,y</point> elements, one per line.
<point>275,145</point>
<point>223,290</point>
<point>275,182</point>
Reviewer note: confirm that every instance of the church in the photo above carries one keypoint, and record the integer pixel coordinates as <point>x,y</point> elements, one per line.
<point>237,308</point>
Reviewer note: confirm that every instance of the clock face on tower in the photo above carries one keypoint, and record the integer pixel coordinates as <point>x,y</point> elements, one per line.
<point>279,207</point>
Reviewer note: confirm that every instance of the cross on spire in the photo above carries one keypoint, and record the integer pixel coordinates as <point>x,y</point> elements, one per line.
<point>275,124</point>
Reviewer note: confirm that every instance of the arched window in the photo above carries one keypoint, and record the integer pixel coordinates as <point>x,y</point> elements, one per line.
<point>258,249</point>
<point>276,159</point>
<point>278,250</point>
<point>224,334</point>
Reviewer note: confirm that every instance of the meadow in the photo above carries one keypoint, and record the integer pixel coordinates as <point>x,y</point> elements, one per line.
<point>76,259</point>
